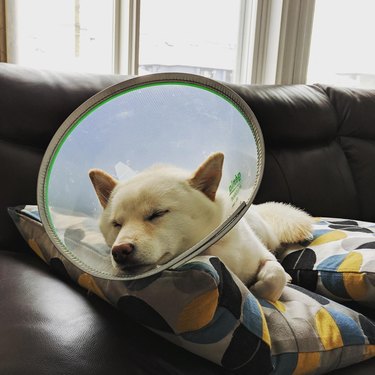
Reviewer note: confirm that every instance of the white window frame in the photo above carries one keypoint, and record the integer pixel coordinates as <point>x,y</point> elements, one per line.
<point>3,46</point>
<point>273,44</point>
<point>11,23</point>
<point>126,36</point>
<point>295,39</point>
<point>246,40</point>
<point>267,32</point>
<point>282,41</point>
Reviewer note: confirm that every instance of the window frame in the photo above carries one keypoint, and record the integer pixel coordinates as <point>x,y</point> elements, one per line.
<point>3,46</point>
<point>273,42</point>
<point>295,40</point>
<point>126,36</point>
<point>246,41</point>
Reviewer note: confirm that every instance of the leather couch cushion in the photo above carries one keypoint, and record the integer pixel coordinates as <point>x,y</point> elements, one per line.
<point>55,328</point>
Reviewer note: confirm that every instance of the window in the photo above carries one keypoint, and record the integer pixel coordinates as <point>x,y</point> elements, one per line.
<point>342,50</point>
<point>240,41</point>
<point>129,36</point>
<point>61,34</point>
<point>192,36</point>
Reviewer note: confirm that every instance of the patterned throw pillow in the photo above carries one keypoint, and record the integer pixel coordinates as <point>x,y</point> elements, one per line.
<point>216,317</point>
<point>338,263</point>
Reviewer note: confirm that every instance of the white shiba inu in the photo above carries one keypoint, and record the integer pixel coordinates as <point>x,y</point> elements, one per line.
<point>164,211</point>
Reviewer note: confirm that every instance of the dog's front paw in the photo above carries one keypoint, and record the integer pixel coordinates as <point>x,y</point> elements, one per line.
<point>271,281</point>
<point>288,278</point>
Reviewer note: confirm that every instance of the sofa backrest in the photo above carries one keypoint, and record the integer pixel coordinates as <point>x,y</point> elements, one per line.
<point>33,104</point>
<point>320,147</point>
<point>320,141</point>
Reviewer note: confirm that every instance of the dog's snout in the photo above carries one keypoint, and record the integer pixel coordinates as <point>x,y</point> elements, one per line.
<point>122,251</point>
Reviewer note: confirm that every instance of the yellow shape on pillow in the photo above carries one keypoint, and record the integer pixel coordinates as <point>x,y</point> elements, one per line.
<point>335,235</point>
<point>266,333</point>
<point>279,305</point>
<point>35,247</point>
<point>356,285</point>
<point>199,312</point>
<point>328,331</point>
<point>354,281</point>
<point>86,281</point>
<point>369,352</point>
<point>352,262</point>
<point>307,363</point>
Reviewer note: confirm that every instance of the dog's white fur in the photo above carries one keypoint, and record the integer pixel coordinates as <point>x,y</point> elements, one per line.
<point>164,210</point>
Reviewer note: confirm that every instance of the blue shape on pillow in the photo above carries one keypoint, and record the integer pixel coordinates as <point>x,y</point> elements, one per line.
<point>222,323</point>
<point>331,263</point>
<point>284,363</point>
<point>319,232</point>
<point>331,279</point>
<point>321,222</point>
<point>334,283</point>
<point>350,332</point>
<point>252,318</point>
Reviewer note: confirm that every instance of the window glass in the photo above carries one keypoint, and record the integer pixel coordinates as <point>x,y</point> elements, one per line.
<point>343,37</point>
<point>62,34</point>
<point>192,36</point>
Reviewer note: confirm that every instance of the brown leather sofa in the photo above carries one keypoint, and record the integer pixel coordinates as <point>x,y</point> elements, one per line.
<point>320,155</point>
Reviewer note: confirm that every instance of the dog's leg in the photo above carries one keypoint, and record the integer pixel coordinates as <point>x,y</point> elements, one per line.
<point>271,280</point>
<point>285,223</point>
<point>246,255</point>
<point>262,229</point>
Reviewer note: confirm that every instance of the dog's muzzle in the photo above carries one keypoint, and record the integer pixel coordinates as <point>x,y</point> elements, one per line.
<point>122,252</point>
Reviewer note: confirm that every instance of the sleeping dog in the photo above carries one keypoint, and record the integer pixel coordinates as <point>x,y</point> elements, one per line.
<point>164,210</point>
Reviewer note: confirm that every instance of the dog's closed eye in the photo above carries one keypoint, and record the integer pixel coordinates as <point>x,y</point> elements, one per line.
<point>156,214</point>
<point>116,224</point>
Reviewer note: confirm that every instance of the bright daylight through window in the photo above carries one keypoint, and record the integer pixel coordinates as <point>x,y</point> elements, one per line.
<point>186,35</point>
<point>73,35</point>
<point>342,51</point>
<point>239,41</point>
<point>193,36</point>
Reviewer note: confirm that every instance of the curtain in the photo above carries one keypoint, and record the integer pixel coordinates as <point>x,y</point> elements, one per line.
<point>3,45</point>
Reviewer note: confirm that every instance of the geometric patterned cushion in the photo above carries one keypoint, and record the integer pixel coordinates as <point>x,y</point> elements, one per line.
<point>204,308</point>
<point>338,263</point>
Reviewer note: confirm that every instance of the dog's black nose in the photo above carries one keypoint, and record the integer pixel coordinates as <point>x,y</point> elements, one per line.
<point>122,251</point>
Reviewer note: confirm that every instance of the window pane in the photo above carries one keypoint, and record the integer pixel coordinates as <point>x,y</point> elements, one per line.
<point>62,34</point>
<point>191,36</point>
<point>343,37</point>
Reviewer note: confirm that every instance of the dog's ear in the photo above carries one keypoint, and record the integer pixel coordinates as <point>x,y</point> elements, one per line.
<point>208,175</point>
<point>103,185</point>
